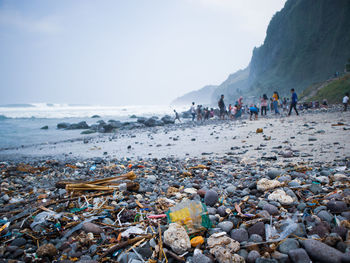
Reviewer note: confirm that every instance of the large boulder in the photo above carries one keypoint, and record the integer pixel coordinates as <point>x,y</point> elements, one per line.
<point>141,120</point>
<point>63,125</point>
<point>78,126</point>
<point>168,120</point>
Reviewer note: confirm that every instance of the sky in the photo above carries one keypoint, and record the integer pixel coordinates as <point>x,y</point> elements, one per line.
<point>124,52</point>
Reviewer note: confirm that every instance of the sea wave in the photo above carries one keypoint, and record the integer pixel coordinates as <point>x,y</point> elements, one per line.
<point>58,111</point>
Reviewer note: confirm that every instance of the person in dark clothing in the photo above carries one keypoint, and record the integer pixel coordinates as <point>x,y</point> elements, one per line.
<point>177,116</point>
<point>294,102</point>
<point>221,105</point>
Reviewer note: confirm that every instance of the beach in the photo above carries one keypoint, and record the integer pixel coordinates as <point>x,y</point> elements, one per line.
<point>273,189</point>
<point>312,136</point>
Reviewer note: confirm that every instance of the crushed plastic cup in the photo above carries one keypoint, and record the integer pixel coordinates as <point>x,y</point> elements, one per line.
<point>192,215</point>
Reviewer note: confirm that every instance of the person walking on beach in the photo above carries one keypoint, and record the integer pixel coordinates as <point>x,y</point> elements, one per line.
<point>263,103</point>
<point>275,98</point>
<point>221,105</point>
<point>177,116</point>
<point>346,101</point>
<point>199,112</point>
<point>193,111</point>
<point>294,102</point>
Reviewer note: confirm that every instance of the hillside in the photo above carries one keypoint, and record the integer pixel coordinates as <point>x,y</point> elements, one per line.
<point>333,90</point>
<point>306,42</point>
<point>201,96</point>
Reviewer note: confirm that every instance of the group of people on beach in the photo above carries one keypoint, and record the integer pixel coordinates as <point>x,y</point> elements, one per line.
<point>234,111</point>
<point>275,102</point>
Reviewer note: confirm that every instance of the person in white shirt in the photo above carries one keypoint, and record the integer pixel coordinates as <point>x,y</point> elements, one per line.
<point>346,101</point>
<point>193,111</point>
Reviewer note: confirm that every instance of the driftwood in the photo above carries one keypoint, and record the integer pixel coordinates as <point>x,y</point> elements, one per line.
<point>105,184</point>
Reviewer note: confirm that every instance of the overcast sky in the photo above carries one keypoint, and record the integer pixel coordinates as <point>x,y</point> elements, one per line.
<point>124,52</point>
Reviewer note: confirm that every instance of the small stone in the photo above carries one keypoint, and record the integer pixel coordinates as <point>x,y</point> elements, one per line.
<point>258,228</point>
<point>211,197</point>
<point>91,227</point>
<point>280,196</point>
<point>280,257</point>
<point>266,260</point>
<point>266,184</point>
<point>336,206</point>
<point>288,245</point>
<point>273,173</point>
<point>325,216</point>
<point>273,210</point>
<point>222,211</point>
<point>47,250</point>
<point>315,188</point>
<point>255,238</point>
<point>200,258</point>
<point>321,252</point>
<point>176,237</point>
<point>299,255</point>
<point>18,242</point>
<point>226,226</point>
<point>253,256</point>
<point>239,235</point>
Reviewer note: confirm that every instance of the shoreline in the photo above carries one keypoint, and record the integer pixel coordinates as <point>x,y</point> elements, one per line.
<point>305,137</point>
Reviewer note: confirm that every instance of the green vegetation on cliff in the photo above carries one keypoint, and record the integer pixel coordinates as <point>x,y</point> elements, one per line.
<point>332,90</point>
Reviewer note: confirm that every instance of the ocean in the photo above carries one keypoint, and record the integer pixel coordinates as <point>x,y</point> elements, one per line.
<point>20,124</point>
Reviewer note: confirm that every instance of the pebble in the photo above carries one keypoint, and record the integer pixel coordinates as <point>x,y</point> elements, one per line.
<point>93,228</point>
<point>258,228</point>
<point>253,256</point>
<point>321,252</point>
<point>273,210</point>
<point>226,226</point>
<point>336,206</point>
<point>211,197</point>
<point>239,235</point>
<point>299,255</point>
<point>47,250</point>
<point>18,242</point>
<point>288,245</point>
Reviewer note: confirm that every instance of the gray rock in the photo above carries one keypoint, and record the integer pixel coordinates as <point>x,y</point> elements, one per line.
<point>20,241</point>
<point>266,260</point>
<point>315,188</point>
<point>200,258</point>
<point>93,228</point>
<point>288,245</point>
<point>273,210</point>
<point>273,173</point>
<point>255,238</point>
<point>151,179</point>
<point>258,228</point>
<point>127,257</point>
<point>239,235</point>
<point>226,226</point>
<point>280,257</point>
<point>325,216</point>
<point>253,256</point>
<point>221,211</point>
<point>321,252</point>
<point>231,189</point>
<point>319,208</point>
<point>336,206</point>
<point>211,197</point>
<point>243,253</point>
<point>299,255</point>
